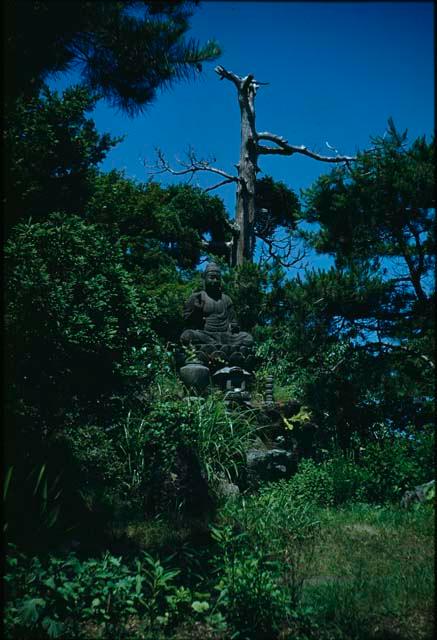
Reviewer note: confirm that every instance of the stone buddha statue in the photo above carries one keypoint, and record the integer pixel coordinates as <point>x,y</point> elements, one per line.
<point>213,337</point>
<point>210,315</point>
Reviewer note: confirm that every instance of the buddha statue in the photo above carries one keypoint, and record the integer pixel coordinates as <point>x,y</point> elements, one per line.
<point>213,338</point>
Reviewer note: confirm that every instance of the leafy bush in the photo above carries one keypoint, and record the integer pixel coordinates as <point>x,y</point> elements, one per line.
<point>76,329</point>
<point>250,595</point>
<point>380,471</point>
<point>347,477</point>
<point>222,438</point>
<point>390,469</point>
<point>79,348</point>
<point>37,499</point>
<point>53,150</point>
<point>312,484</point>
<point>58,597</point>
<point>186,448</point>
<point>266,542</point>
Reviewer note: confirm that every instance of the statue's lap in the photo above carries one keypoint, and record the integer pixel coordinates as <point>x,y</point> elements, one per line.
<point>199,337</point>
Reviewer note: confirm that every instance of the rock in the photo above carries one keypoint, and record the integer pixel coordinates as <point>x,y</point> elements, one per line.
<point>267,465</point>
<point>195,376</point>
<point>182,488</point>
<point>420,494</point>
<point>226,489</point>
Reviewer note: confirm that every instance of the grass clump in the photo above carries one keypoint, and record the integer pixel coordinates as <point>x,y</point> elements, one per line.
<point>373,565</point>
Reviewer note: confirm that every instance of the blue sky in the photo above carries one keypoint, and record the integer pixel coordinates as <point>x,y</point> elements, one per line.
<point>336,71</point>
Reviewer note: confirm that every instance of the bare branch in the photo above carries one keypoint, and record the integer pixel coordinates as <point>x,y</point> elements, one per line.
<point>193,166</point>
<point>286,149</point>
<point>224,73</point>
<point>335,367</point>
<point>246,81</point>
<point>266,135</point>
<point>280,251</point>
<point>219,184</point>
<point>242,84</point>
<point>401,347</point>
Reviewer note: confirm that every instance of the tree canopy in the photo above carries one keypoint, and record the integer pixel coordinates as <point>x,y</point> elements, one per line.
<point>52,150</point>
<point>357,340</point>
<point>124,51</point>
<point>380,207</point>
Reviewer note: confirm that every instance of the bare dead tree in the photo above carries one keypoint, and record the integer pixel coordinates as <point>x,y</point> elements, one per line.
<point>247,168</point>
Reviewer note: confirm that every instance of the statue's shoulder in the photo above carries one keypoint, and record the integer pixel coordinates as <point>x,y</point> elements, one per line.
<point>195,294</point>
<point>226,299</point>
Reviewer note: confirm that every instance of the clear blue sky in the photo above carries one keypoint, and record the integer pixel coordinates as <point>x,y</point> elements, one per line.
<point>337,71</point>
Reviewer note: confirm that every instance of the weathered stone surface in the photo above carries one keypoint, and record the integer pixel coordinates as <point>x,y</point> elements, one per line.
<point>269,464</point>
<point>226,489</point>
<point>195,376</point>
<point>420,494</point>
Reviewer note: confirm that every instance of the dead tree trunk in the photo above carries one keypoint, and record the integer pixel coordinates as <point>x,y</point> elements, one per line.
<point>243,244</point>
<point>247,166</point>
<point>247,169</point>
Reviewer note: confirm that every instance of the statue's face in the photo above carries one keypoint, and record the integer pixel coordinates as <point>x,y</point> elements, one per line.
<point>213,279</point>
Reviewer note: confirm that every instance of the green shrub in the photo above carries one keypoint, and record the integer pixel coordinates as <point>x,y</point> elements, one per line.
<point>377,472</point>
<point>348,478</point>
<point>35,499</point>
<point>168,457</point>
<point>78,337</point>
<point>313,484</point>
<point>61,597</point>
<point>222,438</point>
<point>250,595</point>
<point>193,441</point>
<point>390,469</point>
<point>266,544</point>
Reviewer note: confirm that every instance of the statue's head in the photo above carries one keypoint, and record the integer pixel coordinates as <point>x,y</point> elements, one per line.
<point>212,277</point>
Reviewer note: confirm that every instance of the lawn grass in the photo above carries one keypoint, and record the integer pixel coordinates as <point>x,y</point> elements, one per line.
<point>372,574</point>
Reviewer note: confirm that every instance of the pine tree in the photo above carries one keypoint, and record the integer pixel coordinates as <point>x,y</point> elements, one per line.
<point>125,51</point>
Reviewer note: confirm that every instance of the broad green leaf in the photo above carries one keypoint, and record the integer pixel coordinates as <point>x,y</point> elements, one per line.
<point>54,628</point>
<point>199,607</point>
<point>28,611</point>
<point>139,584</point>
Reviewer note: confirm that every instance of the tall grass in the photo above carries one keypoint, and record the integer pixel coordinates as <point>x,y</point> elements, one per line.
<point>223,438</point>
<point>132,448</point>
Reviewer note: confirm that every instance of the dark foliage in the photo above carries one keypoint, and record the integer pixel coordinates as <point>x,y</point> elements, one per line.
<point>276,206</point>
<point>52,151</point>
<point>74,323</point>
<point>124,51</point>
